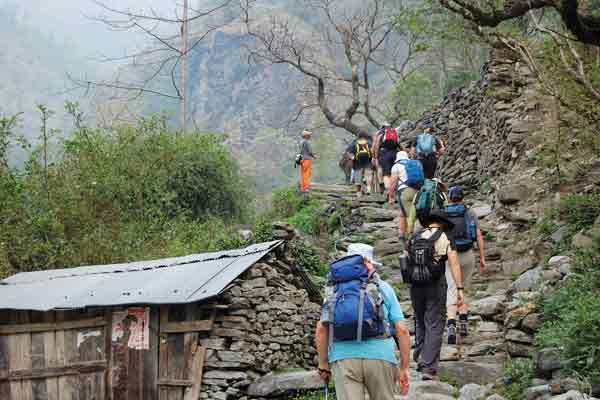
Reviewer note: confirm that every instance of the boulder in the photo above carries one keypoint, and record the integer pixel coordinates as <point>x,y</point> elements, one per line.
<point>488,327</point>
<point>481,210</point>
<point>513,193</point>
<point>548,360</point>
<point>449,353</point>
<point>277,384</point>
<point>483,349</point>
<point>533,322</point>
<point>463,372</point>
<point>488,306</point>
<point>377,214</point>
<point>517,349</point>
<point>518,266</point>
<point>515,335</point>
<point>473,391</point>
<point>528,281</point>
<point>431,387</point>
<point>557,261</point>
<point>514,317</point>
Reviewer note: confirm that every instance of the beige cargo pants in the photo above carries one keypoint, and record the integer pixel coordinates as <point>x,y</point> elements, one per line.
<point>356,377</point>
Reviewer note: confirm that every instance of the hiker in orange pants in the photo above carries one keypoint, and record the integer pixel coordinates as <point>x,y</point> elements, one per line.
<point>307,158</point>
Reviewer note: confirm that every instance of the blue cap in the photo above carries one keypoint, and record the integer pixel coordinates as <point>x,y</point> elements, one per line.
<point>456,193</point>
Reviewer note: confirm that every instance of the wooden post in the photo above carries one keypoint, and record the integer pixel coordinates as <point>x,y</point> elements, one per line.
<point>184,58</point>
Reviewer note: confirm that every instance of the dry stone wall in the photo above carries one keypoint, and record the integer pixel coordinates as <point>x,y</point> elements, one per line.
<point>485,124</point>
<point>268,326</point>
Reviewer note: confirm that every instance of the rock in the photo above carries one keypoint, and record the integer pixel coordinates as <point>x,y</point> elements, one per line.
<point>559,234</point>
<point>488,306</point>
<point>541,391</point>
<point>517,349</point>
<point>376,214</point>
<point>572,395</point>
<point>548,360</point>
<point>481,210</point>
<point>557,261</point>
<point>513,193</point>
<point>552,275</point>
<point>488,326</point>
<point>533,322</point>
<point>277,384</point>
<point>431,387</point>
<point>515,335</point>
<point>495,397</point>
<point>463,372</point>
<point>473,391</point>
<point>527,281</point>
<point>514,317</point>
<point>483,349</point>
<point>245,234</point>
<point>449,353</point>
<point>226,375</point>
<point>518,266</point>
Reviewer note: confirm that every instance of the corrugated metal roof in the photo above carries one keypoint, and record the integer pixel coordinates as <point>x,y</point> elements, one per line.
<point>168,281</point>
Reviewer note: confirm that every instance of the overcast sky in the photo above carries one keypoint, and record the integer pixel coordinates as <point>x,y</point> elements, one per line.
<point>69,20</point>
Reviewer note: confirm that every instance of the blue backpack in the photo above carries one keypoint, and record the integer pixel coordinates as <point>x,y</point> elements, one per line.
<point>425,144</point>
<point>354,302</point>
<point>414,173</point>
<point>464,232</point>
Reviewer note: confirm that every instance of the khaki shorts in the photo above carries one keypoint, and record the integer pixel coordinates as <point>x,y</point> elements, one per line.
<point>467,266</point>
<point>355,377</point>
<point>405,200</point>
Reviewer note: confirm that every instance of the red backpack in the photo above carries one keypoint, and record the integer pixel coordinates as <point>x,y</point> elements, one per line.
<point>390,137</point>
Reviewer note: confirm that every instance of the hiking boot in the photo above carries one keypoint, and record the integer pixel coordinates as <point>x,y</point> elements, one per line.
<point>429,377</point>
<point>451,334</point>
<point>463,327</point>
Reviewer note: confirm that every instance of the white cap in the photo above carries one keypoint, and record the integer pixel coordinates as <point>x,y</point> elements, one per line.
<point>363,250</point>
<point>402,155</point>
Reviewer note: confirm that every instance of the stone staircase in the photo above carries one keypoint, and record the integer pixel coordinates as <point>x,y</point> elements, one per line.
<point>477,358</point>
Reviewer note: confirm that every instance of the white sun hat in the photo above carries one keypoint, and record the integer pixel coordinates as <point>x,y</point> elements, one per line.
<point>401,155</point>
<point>363,250</point>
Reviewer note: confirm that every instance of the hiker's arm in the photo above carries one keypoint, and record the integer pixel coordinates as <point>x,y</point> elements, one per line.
<point>454,264</point>
<point>404,342</point>
<point>375,150</point>
<point>442,147</point>
<point>481,246</point>
<point>392,189</point>
<point>322,342</point>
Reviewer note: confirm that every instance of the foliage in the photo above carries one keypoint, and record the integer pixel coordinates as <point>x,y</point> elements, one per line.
<point>308,259</point>
<point>575,212</point>
<point>130,193</point>
<point>572,318</point>
<point>301,211</point>
<point>518,374</point>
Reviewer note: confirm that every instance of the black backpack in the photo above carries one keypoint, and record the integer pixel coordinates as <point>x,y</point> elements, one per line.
<point>422,267</point>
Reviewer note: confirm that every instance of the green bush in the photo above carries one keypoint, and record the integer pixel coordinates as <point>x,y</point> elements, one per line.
<point>518,374</point>
<point>572,318</point>
<point>286,202</point>
<point>306,257</point>
<point>129,193</point>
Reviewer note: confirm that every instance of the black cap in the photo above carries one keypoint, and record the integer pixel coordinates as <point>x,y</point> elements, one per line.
<point>438,216</point>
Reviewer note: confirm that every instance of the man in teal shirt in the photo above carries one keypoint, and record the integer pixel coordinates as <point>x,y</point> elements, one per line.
<point>369,365</point>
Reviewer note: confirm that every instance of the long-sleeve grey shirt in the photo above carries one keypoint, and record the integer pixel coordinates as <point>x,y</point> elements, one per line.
<point>306,150</point>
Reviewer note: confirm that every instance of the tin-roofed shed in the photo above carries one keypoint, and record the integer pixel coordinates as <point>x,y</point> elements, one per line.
<point>199,326</point>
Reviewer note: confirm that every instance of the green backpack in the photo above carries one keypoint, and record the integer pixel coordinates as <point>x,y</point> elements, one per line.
<point>429,198</point>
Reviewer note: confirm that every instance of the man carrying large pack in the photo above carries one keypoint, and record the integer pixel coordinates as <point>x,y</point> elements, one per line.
<point>361,152</point>
<point>385,147</point>
<point>354,337</point>
<point>464,234</point>
<point>428,149</point>
<point>424,269</point>
<point>407,179</point>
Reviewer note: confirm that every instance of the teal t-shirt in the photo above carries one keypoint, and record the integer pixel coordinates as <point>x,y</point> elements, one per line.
<point>372,349</point>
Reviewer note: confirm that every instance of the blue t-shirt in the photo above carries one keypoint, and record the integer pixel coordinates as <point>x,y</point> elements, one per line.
<point>372,349</point>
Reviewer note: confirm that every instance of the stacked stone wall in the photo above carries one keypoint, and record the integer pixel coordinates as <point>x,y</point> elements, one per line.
<point>269,326</point>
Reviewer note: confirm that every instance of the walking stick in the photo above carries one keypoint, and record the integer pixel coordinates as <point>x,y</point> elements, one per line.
<point>326,391</point>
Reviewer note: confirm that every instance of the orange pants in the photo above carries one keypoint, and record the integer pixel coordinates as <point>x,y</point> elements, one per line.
<point>306,169</point>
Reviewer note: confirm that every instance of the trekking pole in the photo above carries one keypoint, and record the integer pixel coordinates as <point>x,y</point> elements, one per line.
<point>326,391</point>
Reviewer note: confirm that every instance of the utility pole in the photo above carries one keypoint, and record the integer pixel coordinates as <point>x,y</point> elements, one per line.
<point>184,58</point>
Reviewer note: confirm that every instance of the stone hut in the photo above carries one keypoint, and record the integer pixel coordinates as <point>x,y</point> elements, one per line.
<point>203,326</point>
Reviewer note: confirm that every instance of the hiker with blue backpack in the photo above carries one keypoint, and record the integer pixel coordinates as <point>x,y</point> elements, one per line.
<point>407,179</point>
<point>355,337</point>
<point>428,149</point>
<point>464,234</point>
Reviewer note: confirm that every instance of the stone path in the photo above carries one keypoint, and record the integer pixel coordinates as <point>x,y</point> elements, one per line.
<point>479,358</point>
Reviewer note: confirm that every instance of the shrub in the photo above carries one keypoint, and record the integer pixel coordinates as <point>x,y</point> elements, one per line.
<point>572,317</point>
<point>518,374</point>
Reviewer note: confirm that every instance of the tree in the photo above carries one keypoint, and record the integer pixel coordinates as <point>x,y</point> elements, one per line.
<point>579,16</point>
<point>172,37</point>
<point>347,59</point>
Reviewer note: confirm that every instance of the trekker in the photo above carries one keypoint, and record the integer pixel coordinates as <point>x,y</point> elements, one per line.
<point>307,157</point>
<point>361,152</point>
<point>428,251</point>
<point>428,149</point>
<point>465,232</point>
<point>346,164</point>
<point>360,354</point>
<point>386,145</point>
<point>407,178</point>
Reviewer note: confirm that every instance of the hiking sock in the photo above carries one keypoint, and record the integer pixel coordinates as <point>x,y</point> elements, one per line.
<point>463,320</point>
<point>451,331</point>
<point>381,188</point>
